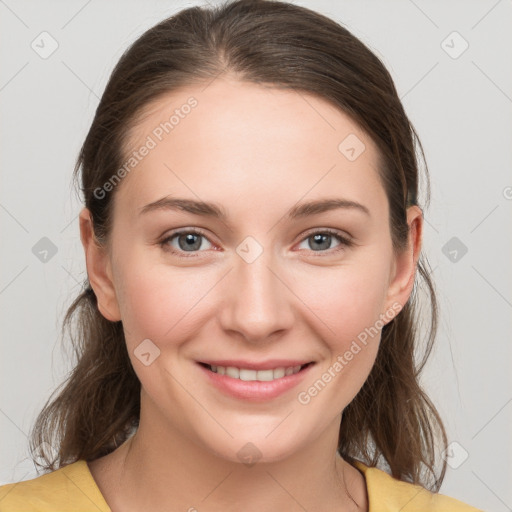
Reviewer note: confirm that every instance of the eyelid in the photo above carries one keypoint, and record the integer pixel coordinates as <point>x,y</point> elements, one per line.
<point>346,237</point>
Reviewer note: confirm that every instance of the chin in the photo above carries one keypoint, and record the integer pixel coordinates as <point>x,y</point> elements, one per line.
<point>252,449</point>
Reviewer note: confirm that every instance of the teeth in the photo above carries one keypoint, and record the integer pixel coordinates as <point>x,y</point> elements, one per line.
<point>261,375</point>
<point>279,373</point>
<point>233,372</point>
<point>248,374</point>
<point>252,375</point>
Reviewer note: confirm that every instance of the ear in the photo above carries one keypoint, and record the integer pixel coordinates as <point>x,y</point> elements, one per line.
<point>98,269</point>
<point>404,266</point>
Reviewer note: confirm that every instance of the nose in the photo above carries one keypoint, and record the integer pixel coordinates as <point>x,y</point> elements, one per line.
<point>258,303</point>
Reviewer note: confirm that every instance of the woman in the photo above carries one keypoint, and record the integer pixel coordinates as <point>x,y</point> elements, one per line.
<point>252,235</point>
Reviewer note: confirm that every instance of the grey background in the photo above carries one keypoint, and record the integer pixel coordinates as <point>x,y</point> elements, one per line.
<point>461,108</point>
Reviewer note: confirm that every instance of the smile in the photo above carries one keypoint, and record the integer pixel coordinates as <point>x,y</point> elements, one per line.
<point>255,385</point>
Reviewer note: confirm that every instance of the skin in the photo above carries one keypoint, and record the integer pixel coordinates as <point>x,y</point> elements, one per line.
<point>257,152</point>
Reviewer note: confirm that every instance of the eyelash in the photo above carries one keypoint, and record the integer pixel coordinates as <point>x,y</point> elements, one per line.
<point>344,241</point>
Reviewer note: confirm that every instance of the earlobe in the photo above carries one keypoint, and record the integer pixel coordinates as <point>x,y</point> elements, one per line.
<point>98,269</point>
<point>405,263</point>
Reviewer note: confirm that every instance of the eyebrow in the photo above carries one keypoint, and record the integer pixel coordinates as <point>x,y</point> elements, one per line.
<point>214,210</point>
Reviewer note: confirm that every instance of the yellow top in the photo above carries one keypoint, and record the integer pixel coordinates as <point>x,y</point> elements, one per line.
<point>73,488</point>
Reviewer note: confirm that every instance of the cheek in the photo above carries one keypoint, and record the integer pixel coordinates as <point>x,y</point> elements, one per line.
<point>346,300</point>
<point>155,298</point>
<point>347,303</point>
<point>351,346</point>
<point>159,303</point>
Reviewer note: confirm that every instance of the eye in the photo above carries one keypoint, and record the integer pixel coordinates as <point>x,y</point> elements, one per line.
<point>320,241</point>
<point>186,241</point>
<point>191,241</point>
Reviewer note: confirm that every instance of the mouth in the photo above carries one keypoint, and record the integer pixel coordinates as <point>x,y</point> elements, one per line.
<point>256,385</point>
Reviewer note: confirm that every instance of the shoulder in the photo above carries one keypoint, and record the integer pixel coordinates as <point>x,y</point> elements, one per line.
<point>71,487</point>
<point>387,494</point>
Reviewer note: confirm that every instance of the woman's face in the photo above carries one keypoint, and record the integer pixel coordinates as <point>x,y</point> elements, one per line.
<point>265,283</point>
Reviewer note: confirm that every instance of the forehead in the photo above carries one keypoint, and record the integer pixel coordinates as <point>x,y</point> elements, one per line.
<point>233,140</point>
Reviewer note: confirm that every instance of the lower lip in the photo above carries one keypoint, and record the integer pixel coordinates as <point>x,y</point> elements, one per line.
<point>255,390</point>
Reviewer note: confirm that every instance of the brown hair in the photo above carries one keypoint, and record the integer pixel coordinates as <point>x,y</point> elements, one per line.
<point>391,419</point>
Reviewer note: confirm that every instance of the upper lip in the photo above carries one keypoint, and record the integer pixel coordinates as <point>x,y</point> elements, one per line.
<point>252,365</point>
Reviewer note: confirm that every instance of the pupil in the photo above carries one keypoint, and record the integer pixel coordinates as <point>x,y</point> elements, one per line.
<point>322,238</point>
<point>192,241</point>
